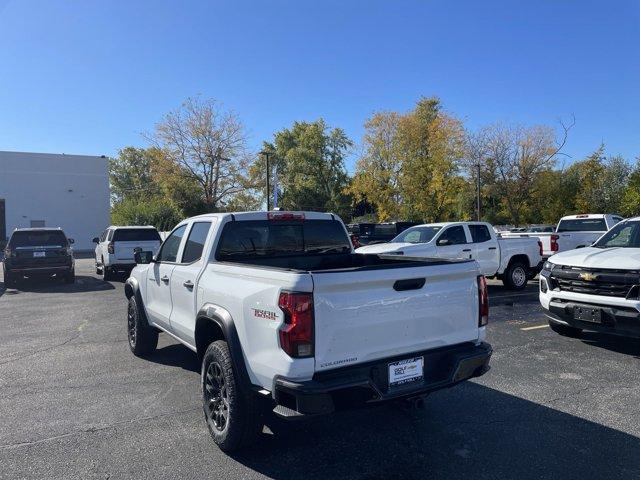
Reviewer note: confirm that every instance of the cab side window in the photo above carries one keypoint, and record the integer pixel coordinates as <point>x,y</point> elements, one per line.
<point>195,242</point>
<point>453,236</point>
<point>170,247</point>
<point>479,233</point>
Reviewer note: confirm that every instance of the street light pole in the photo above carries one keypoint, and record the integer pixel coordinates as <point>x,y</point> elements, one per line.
<point>478,191</point>
<point>266,155</point>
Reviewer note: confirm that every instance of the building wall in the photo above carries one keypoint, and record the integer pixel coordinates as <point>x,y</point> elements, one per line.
<point>67,191</point>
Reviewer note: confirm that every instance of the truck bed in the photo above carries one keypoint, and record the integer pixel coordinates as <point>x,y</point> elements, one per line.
<point>340,262</point>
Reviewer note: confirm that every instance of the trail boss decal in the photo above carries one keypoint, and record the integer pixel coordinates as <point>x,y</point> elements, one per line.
<point>264,314</point>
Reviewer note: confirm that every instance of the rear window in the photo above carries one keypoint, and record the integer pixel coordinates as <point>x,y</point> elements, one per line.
<point>479,233</point>
<point>38,239</point>
<point>582,225</point>
<point>136,235</point>
<point>385,229</point>
<point>263,238</point>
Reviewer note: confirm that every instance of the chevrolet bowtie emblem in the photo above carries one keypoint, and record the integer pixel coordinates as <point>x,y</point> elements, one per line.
<point>589,277</point>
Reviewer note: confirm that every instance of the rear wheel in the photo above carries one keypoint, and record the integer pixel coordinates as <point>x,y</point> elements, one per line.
<point>107,273</point>
<point>10,280</point>
<point>516,276</point>
<point>143,339</point>
<point>565,330</point>
<point>232,416</point>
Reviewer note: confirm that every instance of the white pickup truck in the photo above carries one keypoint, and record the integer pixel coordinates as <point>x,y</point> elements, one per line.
<point>283,314</point>
<point>572,231</point>
<point>598,287</point>
<point>514,261</point>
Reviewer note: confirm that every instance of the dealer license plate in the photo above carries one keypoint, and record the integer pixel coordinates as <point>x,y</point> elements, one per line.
<point>39,254</point>
<point>587,314</point>
<point>406,371</point>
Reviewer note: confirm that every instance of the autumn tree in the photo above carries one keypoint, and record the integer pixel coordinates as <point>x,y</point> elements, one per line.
<point>130,174</point>
<point>515,156</point>
<point>208,145</point>
<point>410,165</point>
<point>377,180</point>
<point>630,202</point>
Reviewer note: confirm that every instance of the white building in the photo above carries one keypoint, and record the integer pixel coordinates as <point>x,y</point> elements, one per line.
<point>54,190</point>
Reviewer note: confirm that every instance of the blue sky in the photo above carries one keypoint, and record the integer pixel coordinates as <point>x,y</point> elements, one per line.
<point>90,76</point>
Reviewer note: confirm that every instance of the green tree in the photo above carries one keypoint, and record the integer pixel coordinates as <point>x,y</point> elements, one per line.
<point>602,182</point>
<point>130,174</point>
<point>155,211</point>
<point>309,162</point>
<point>630,203</point>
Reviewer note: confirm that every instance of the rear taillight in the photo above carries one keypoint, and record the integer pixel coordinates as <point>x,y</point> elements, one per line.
<point>483,301</point>
<point>540,248</point>
<point>554,243</point>
<point>296,333</point>
<point>110,248</point>
<point>355,241</point>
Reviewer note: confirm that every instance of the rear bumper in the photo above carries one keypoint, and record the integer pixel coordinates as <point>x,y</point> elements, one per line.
<point>368,383</point>
<point>48,270</point>
<point>122,265</point>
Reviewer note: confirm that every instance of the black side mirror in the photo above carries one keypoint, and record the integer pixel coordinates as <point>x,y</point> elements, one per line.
<point>71,240</point>
<point>95,240</point>
<point>143,258</point>
<point>443,242</point>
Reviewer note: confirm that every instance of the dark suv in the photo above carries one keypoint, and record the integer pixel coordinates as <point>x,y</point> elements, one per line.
<point>34,252</point>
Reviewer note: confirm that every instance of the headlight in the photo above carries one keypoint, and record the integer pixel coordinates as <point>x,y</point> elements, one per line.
<point>548,266</point>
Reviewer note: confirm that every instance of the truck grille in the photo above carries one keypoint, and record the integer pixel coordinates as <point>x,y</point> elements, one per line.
<point>610,283</point>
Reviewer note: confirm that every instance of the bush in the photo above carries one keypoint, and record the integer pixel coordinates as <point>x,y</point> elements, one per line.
<point>158,212</point>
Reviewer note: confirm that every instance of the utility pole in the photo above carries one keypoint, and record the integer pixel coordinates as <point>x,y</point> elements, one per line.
<point>266,156</point>
<point>478,191</point>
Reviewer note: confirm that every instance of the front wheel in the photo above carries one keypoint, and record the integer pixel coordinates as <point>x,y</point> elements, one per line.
<point>143,339</point>
<point>232,416</point>
<point>516,276</point>
<point>70,277</point>
<point>565,330</point>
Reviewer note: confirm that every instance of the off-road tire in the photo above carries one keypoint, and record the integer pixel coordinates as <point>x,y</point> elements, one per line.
<point>10,281</point>
<point>565,330</point>
<point>70,277</point>
<point>516,276</point>
<point>233,416</point>
<point>143,339</point>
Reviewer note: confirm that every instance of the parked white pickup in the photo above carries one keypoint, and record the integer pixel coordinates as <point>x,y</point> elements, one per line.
<point>283,314</point>
<point>573,231</point>
<point>514,261</point>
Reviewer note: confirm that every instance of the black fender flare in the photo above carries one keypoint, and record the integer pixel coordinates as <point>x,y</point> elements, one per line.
<point>222,318</point>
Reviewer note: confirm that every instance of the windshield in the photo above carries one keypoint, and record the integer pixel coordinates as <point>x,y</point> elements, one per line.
<point>417,234</point>
<point>582,225</point>
<point>626,234</point>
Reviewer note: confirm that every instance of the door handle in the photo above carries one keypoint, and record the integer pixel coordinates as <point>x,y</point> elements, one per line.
<point>409,284</point>
<point>492,248</point>
<point>188,284</point>
<point>165,279</point>
<point>466,250</point>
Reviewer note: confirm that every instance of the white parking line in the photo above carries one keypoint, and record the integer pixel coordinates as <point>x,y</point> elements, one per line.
<point>535,328</point>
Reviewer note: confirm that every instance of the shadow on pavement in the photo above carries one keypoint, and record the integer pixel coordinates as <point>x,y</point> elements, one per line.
<point>176,355</point>
<point>469,432</point>
<point>614,343</point>
<point>55,285</point>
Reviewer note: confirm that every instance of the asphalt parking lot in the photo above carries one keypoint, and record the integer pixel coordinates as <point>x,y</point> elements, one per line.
<point>75,403</point>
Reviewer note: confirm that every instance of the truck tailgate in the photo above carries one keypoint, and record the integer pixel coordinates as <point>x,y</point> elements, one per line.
<point>124,250</point>
<point>365,315</point>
